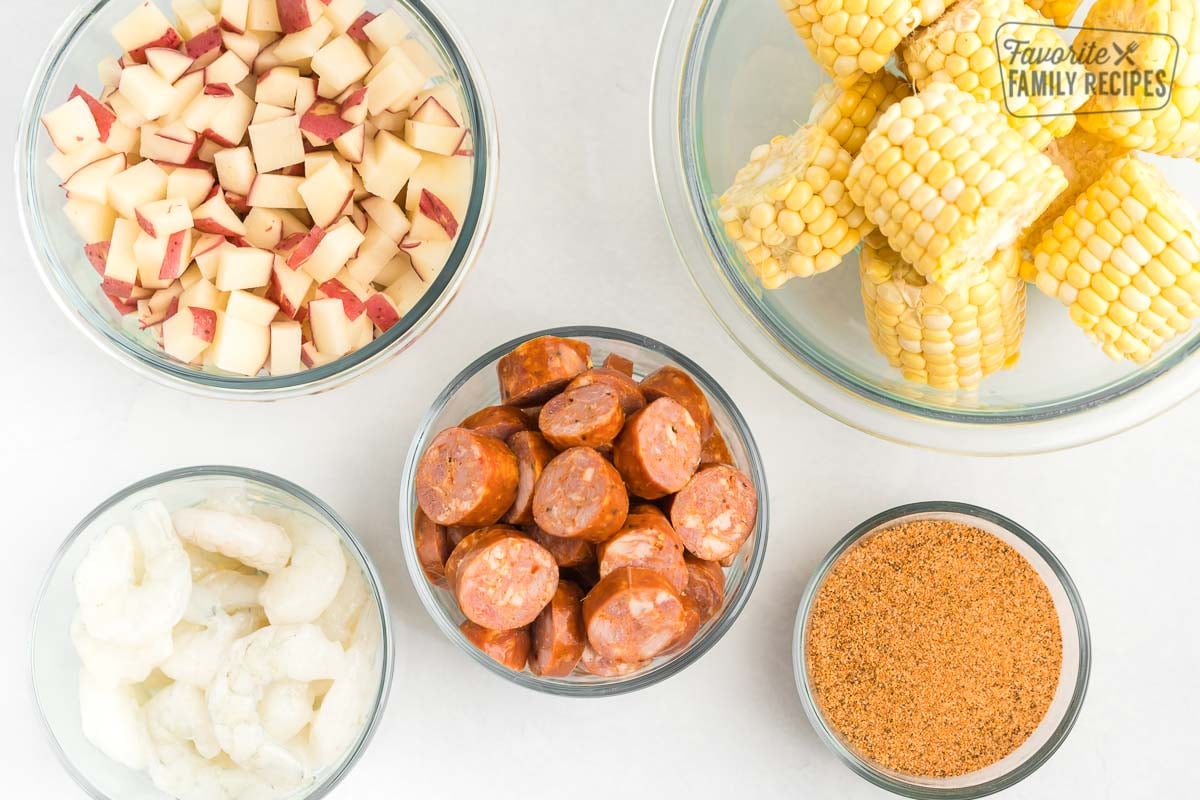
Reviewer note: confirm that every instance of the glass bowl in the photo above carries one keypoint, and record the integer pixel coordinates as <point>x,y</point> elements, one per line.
<point>1073,677</point>
<point>729,76</point>
<point>476,387</point>
<point>57,251</point>
<point>56,665</point>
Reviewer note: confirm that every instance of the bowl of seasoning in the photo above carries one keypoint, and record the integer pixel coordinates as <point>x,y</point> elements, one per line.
<point>942,651</point>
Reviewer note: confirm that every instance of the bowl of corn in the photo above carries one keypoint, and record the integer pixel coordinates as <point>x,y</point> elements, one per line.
<point>902,236</point>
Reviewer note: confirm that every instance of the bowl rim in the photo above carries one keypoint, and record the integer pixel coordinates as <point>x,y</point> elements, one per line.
<point>155,365</point>
<point>854,402</point>
<point>734,605</point>
<point>374,581</point>
<point>862,767</point>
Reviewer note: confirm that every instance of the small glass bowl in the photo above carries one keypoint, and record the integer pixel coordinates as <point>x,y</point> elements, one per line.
<point>1073,678</point>
<point>57,251</point>
<point>476,387</point>
<point>56,665</point>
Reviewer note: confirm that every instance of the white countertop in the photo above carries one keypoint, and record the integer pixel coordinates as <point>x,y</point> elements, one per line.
<point>578,236</point>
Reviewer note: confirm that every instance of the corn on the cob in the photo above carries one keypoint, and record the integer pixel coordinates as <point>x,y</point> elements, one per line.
<point>948,182</point>
<point>1125,259</point>
<point>960,48</point>
<point>948,339</point>
<point>849,37</point>
<point>1172,129</point>
<point>788,209</point>
<point>1060,12</point>
<point>848,113</point>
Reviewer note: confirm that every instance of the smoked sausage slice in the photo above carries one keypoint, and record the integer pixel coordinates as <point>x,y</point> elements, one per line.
<point>603,667</point>
<point>692,623</point>
<point>466,478</point>
<point>538,369</point>
<point>498,422</point>
<point>557,634</point>
<point>503,579</point>
<point>715,512</point>
<point>433,547</point>
<point>676,384</point>
<point>715,451</point>
<point>619,363</point>
<point>659,449</point>
<point>630,393</point>
<point>588,416</point>
<point>633,614</point>
<point>510,648</point>
<point>566,552</point>
<point>705,586</point>
<point>646,541</point>
<point>533,453</point>
<point>580,495</point>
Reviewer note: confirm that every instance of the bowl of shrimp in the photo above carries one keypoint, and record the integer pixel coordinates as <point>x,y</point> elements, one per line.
<point>211,633</point>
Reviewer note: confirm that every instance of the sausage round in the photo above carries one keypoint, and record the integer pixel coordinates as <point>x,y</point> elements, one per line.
<point>469,539</point>
<point>676,384</point>
<point>633,614</point>
<point>533,453</point>
<point>603,667</point>
<point>538,369</point>
<point>705,586</point>
<point>580,495</point>
<point>433,548</point>
<point>627,390</point>
<point>566,552</point>
<point>509,648</point>
<point>498,422</point>
<point>692,623</point>
<point>466,478</point>
<point>503,580</point>
<point>714,514</point>
<point>645,541</point>
<point>619,363</point>
<point>589,416</point>
<point>659,449</point>
<point>456,533</point>
<point>557,634</point>
<point>715,451</point>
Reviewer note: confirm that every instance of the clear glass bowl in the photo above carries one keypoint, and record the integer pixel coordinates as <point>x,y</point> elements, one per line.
<point>729,76</point>
<point>476,387</point>
<point>1072,681</point>
<point>57,251</point>
<point>56,665</point>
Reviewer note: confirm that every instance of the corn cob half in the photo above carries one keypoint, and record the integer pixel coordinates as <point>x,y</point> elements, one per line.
<point>1125,260</point>
<point>948,182</point>
<point>849,112</point>
<point>1061,12</point>
<point>948,339</point>
<point>960,48</point>
<point>788,209</point>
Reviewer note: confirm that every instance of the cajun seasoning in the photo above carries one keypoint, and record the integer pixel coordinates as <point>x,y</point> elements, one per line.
<point>934,648</point>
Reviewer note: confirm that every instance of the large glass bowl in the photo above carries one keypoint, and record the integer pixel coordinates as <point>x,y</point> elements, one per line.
<point>476,387</point>
<point>56,665</point>
<point>57,251</point>
<point>730,75</point>
<point>1073,676</point>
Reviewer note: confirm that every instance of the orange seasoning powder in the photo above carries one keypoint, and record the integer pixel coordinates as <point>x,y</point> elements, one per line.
<point>933,648</point>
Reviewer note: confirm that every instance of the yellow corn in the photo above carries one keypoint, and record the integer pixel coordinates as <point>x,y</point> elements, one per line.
<point>788,209</point>
<point>948,339</point>
<point>849,37</point>
<point>848,113</point>
<point>1173,127</point>
<point>961,48</point>
<point>948,182</point>
<point>1125,260</point>
<point>1061,12</point>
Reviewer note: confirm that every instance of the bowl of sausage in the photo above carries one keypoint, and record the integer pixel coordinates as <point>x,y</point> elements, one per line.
<point>584,511</point>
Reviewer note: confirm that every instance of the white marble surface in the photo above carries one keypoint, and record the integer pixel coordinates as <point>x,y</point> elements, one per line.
<point>578,237</point>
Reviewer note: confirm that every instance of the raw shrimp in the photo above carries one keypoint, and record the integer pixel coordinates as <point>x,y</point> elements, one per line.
<point>118,605</point>
<point>179,713</point>
<point>223,591</point>
<point>286,707</point>
<point>308,584</point>
<point>252,541</point>
<point>112,720</point>
<point>205,562</point>
<point>345,707</point>
<point>340,618</point>
<point>113,664</point>
<point>199,651</point>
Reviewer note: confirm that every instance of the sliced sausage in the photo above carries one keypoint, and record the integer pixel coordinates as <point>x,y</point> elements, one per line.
<point>466,478</point>
<point>471,538</point>
<point>715,451</point>
<point>705,586</point>
<point>659,449</point>
<point>566,552</point>
<point>603,667</point>
<point>714,514</point>
<point>503,580</point>
<point>676,384</point>
<point>558,635</point>
<point>510,648</point>
<point>692,623</point>
<point>433,548</point>
<point>589,416</point>
<point>619,363</point>
<point>533,453</point>
<point>586,575</point>
<point>630,393</point>
<point>498,422</point>
<point>633,614</point>
<point>580,495</point>
<point>539,369</point>
<point>645,541</point>
<point>456,533</point>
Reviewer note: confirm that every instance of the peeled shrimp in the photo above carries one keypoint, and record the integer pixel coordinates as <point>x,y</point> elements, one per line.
<point>345,707</point>
<point>286,707</point>
<point>252,541</point>
<point>178,712</point>
<point>113,664</point>
<point>114,603</point>
<point>199,651</point>
<point>338,621</point>
<point>308,584</point>
<point>205,562</point>
<point>112,720</point>
<point>223,591</point>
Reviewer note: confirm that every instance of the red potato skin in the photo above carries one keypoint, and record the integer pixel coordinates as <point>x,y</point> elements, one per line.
<point>466,478</point>
<point>380,311</point>
<point>558,636</point>
<point>533,453</point>
<point>432,206</point>
<point>632,399</point>
<point>204,42</point>
<point>676,384</point>
<point>498,422</point>
<point>658,450</point>
<point>102,114</point>
<point>356,31</point>
<point>620,364</point>
<point>503,580</point>
<point>507,648</point>
<point>587,416</point>
<point>580,495</point>
<point>567,552</point>
<point>97,255</point>
<point>293,15</point>
<point>645,541</point>
<point>715,513</point>
<point>633,614</point>
<point>705,586</point>
<point>433,548</point>
<point>538,369</point>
